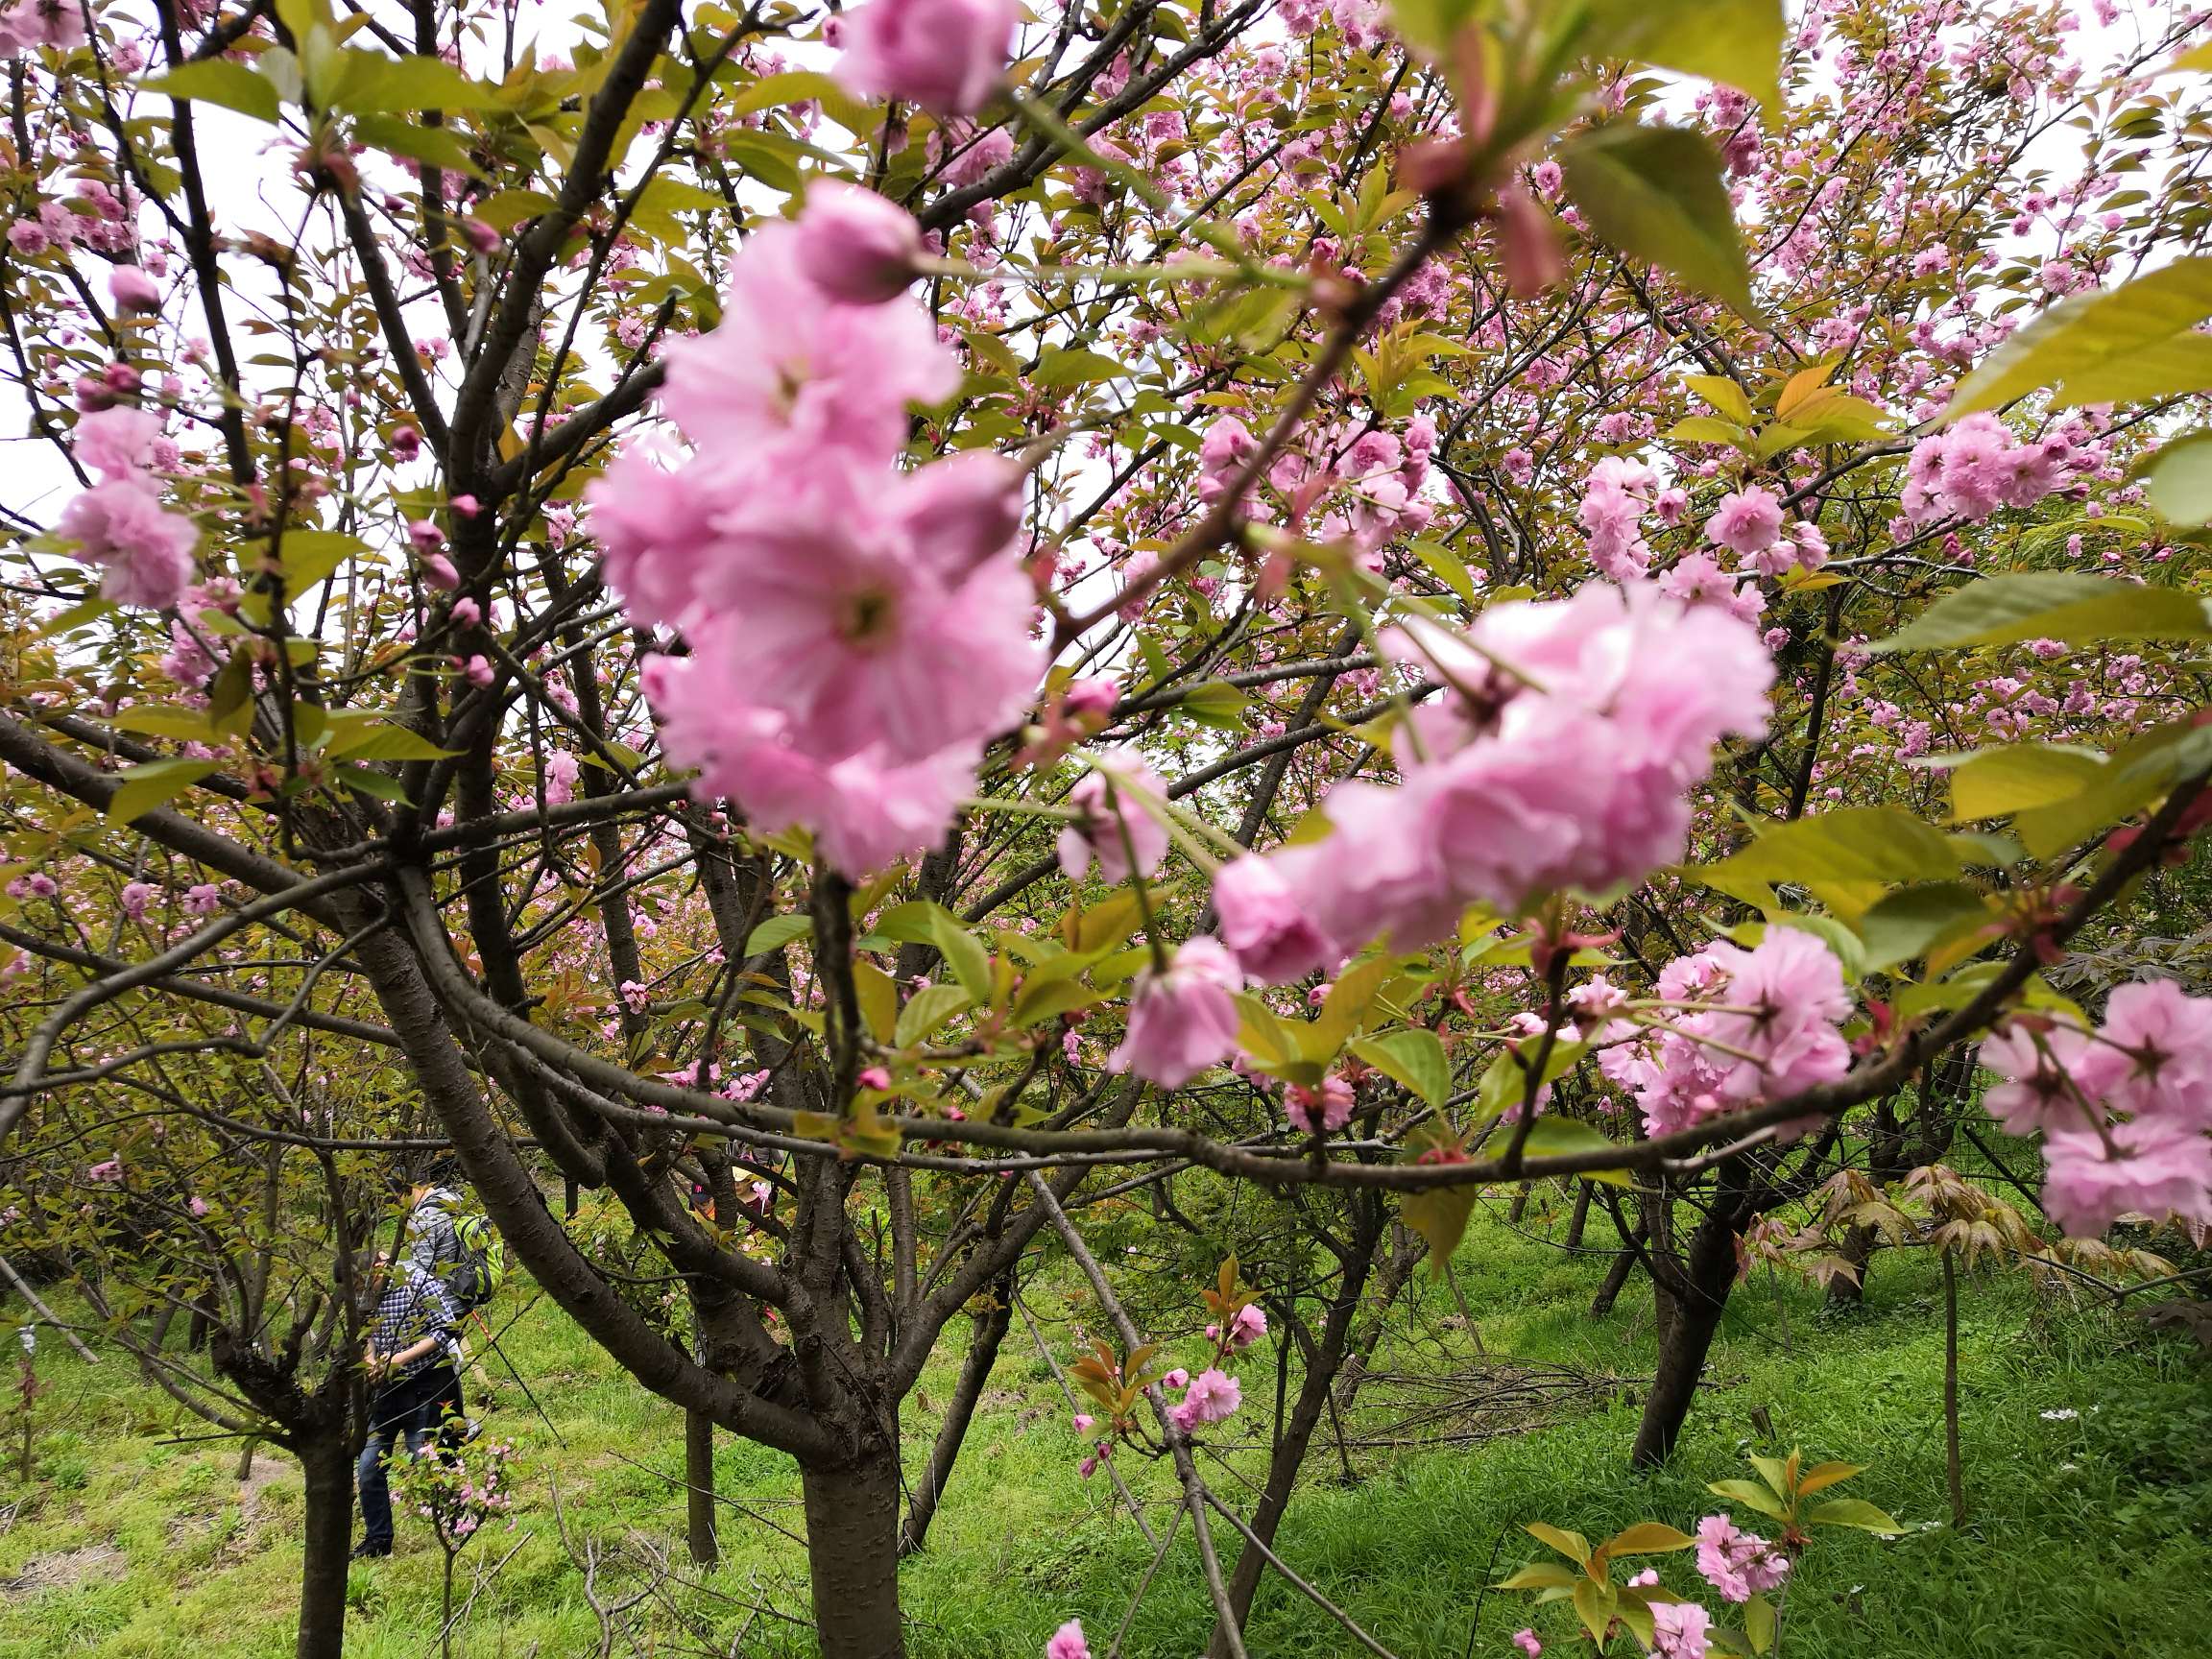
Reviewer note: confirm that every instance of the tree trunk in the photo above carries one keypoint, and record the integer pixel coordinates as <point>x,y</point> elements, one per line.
<point>974,1373</point>
<point>1580,1217</point>
<point>1849,1290</point>
<point>1690,1301</point>
<point>326,1541</point>
<point>1954,1466</point>
<point>852,1556</point>
<point>698,1487</point>
<point>1406,1250</point>
<point>1289,1457</point>
<point>1616,1275</point>
<point>1519,1207</point>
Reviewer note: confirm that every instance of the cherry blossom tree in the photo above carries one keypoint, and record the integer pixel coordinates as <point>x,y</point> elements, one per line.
<point>855,629</point>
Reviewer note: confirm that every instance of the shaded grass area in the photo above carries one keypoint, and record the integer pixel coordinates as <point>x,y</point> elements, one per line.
<point>2090,1535</point>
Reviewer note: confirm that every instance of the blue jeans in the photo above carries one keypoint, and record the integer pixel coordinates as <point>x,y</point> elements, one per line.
<point>406,1412</point>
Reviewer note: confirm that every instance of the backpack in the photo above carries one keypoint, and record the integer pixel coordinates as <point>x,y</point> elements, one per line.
<point>479,1264</point>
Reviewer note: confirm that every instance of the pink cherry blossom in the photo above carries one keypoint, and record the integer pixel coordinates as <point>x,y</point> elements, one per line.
<point>1737,1564</point>
<point>1262,921</point>
<point>1183,1020</point>
<point>2042,1064</point>
<point>1678,1630</point>
<point>2154,1167</point>
<point>144,549</point>
<point>1746,521</point>
<point>856,245</point>
<point>117,441</point>
<point>792,371</point>
<point>1213,1395</point>
<point>2156,1045</point>
<point>1114,820</point>
<point>1321,1110</point>
<point>1068,1642</point>
<point>944,54</point>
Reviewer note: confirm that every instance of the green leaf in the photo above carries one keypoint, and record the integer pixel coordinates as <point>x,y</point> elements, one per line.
<point>1910,924</point>
<point>367,781</point>
<point>1063,366</point>
<point>1751,1495</point>
<point>1438,1214</point>
<point>2126,344</point>
<point>88,609</point>
<point>387,743</point>
<point>2179,479</point>
<point>1852,1513</point>
<point>2054,605</point>
<point>778,931</point>
<point>660,201</point>
<point>372,85</point>
<point>928,1012</point>
<point>1722,395</point>
<point>1413,1059</point>
<point>308,557</point>
<point>1218,704</point>
<point>146,786</point>
<point>154,721</point>
<point>1647,1538</point>
<point>1996,782</point>
<point>1551,1137</point>
<point>1431,24</point>
<point>1759,1622</point>
<point>1857,844</point>
<point>1448,568</point>
<point>1594,1606</point>
<point>1655,194</point>
<point>1345,1007</point>
<point>1737,42</point>
<point>1572,1545</point>
<point>1540,1575</point>
<point>1703,429</point>
<point>964,954</point>
<point>223,81</point>
<point>504,209</point>
<point>878,999</point>
<point>432,146</point>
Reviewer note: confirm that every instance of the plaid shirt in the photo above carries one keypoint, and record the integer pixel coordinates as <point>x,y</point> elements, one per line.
<point>432,1243</point>
<point>414,1305</point>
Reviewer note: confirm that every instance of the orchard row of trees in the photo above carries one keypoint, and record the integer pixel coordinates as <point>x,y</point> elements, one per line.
<point>871,640</point>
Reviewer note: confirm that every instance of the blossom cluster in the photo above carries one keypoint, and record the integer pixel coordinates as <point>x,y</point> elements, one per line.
<point>1561,756</point>
<point>1359,485</point>
<point>1750,1026</point>
<point>2124,1108</point>
<point>855,631</point>
<point>143,550</point>
<point>1975,465</point>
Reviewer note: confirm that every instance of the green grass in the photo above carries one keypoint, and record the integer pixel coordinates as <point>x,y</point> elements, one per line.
<point>2091,1535</point>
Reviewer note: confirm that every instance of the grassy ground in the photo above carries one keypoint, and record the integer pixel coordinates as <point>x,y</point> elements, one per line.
<point>2091,1530</point>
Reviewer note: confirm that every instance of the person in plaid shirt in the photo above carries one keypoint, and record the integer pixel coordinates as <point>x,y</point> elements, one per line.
<point>410,1366</point>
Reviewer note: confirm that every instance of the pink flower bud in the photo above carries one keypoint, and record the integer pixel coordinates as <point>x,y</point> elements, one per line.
<point>944,54</point>
<point>856,245</point>
<point>132,289</point>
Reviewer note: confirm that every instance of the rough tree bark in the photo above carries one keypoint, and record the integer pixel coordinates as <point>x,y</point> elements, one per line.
<point>327,1538</point>
<point>1288,1456</point>
<point>1691,1296</point>
<point>853,1554</point>
<point>699,1488</point>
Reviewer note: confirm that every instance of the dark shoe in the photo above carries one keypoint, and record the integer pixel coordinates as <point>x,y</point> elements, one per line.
<point>365,1550</point>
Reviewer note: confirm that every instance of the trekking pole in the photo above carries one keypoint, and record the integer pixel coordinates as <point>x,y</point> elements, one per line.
<point>492,1342</point>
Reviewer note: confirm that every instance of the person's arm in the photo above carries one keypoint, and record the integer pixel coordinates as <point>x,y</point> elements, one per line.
<point>436,1312</point>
